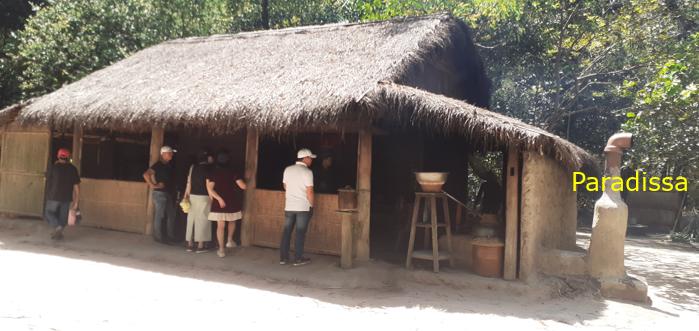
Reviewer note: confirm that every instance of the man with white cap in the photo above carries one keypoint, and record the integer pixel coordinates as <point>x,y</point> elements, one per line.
<point>298,209</point>
<point>161,179</point>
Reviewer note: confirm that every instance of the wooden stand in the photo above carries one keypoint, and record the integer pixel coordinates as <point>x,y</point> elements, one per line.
<point>434,225</point>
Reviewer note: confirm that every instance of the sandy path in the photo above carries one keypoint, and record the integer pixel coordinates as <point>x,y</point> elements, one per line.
<point>51,288</point>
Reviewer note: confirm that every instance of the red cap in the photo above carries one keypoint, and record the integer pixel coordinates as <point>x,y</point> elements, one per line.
<point>63,153</point>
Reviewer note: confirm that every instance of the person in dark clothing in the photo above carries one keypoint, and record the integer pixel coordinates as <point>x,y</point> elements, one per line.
<point>198,225</point>
<point>490,195</point>
<point>62,193</point>
<point>325,176</point>
<point>161,179</point>
<point>225,188</point>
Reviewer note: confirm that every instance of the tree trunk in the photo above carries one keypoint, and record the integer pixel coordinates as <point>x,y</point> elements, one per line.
<point>265,14</point>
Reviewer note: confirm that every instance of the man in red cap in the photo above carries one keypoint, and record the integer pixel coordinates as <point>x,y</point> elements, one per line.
<point>62,192</point>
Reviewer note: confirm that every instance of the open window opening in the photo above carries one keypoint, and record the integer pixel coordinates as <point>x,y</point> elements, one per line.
<point>334,168</point>
<point>114,155</point>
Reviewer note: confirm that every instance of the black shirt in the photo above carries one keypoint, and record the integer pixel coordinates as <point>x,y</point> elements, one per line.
<point>60,180</point>
<point>164,173</point>
<point>324,181</point>
<point>199,173</point>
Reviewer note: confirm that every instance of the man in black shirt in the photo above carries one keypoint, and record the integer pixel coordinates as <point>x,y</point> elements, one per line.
<point>62,193</point>
<point>161,179</point>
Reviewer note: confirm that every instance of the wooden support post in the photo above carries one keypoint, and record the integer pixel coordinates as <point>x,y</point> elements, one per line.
<point>447,220</point>
<point>511,214</point>
<point>435,239</point>
<point>156,141</point>
<point>77,151</point>
<point>251,152</point>
<point>459,215</point>
<point>361,239</point>
<point>413,229</point>
<point>346,239</point>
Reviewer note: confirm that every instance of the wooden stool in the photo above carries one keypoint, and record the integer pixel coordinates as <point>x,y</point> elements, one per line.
<point>435,255</point>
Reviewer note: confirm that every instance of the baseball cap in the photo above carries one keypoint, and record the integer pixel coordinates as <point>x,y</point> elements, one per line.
<point>167,149</point>
<point>305,152</point>
<point>63,153</point>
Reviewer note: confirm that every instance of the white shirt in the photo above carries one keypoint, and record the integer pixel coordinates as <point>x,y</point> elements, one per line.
<point>297,178</point>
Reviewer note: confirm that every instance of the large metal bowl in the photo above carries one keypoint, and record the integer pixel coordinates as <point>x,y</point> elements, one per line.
<point>431,181</point>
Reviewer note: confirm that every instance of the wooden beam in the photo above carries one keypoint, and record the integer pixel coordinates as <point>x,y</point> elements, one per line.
<point>156,141</point>
<point>361,240</point>
<point>511,214</point>
<point>78,147</point>
<point>251,153</point>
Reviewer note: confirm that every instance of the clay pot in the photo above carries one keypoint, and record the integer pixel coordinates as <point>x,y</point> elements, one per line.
<point>488,257</point>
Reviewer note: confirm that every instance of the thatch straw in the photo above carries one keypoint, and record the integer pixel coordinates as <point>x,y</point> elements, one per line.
<point>416,108</point>
<point>272,79</point>
<point>282,80</point>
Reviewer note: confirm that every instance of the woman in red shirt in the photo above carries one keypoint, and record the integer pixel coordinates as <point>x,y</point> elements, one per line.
<point>225,187</point>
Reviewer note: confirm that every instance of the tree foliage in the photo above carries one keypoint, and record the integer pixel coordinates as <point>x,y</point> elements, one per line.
<point>70,38</point>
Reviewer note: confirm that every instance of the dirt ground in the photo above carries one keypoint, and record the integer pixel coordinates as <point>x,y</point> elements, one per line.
<point>105,280</point>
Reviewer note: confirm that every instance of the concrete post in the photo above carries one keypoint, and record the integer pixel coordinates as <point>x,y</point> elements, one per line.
<point>606,254</point>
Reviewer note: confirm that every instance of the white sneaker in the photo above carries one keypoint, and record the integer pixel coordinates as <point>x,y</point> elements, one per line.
<point>221,253</point>
<point>231,244</point>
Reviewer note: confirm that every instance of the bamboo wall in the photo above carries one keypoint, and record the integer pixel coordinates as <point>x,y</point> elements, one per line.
<point>115,205</point>
<point>267,218</point>
<point>25,153</point>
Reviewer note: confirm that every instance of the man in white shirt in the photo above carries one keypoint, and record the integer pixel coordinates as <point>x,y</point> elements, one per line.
<point>298,184</point>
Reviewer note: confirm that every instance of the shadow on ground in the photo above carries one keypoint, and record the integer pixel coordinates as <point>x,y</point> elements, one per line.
<point>670,269</point>
<point>370,285</point>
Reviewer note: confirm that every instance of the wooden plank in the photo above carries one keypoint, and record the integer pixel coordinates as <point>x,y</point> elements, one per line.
<point>251,154</point>
<point>435,240</point>
<point>362,238</point>
<point>156,142</point>
<point>459,214</point>
<point>447,220</point>
<point>26,152</point>
<point>22,194</point>
<point>23,164</point>
<point>511,214</point>
<point>78,147</point>
<point>428,254</point>
<point>413,229</point>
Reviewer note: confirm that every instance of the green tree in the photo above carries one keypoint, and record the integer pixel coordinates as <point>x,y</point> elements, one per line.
<point>68,39</point>
<point>13,14</point>
<point>665,118</point>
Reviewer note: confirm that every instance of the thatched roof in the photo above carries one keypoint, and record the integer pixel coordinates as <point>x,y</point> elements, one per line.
<point>449,116</point>
<point>280,80</point>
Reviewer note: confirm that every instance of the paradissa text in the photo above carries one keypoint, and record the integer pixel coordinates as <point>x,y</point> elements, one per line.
<point>634,183</point>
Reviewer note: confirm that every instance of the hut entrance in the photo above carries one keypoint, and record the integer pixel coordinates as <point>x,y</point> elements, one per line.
<point>396,158</point>
<point>188,143</point>
<point>476,179</point>
<point>334,168</point>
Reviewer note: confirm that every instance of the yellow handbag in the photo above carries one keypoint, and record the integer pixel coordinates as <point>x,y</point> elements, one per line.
<point>185,205</point>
